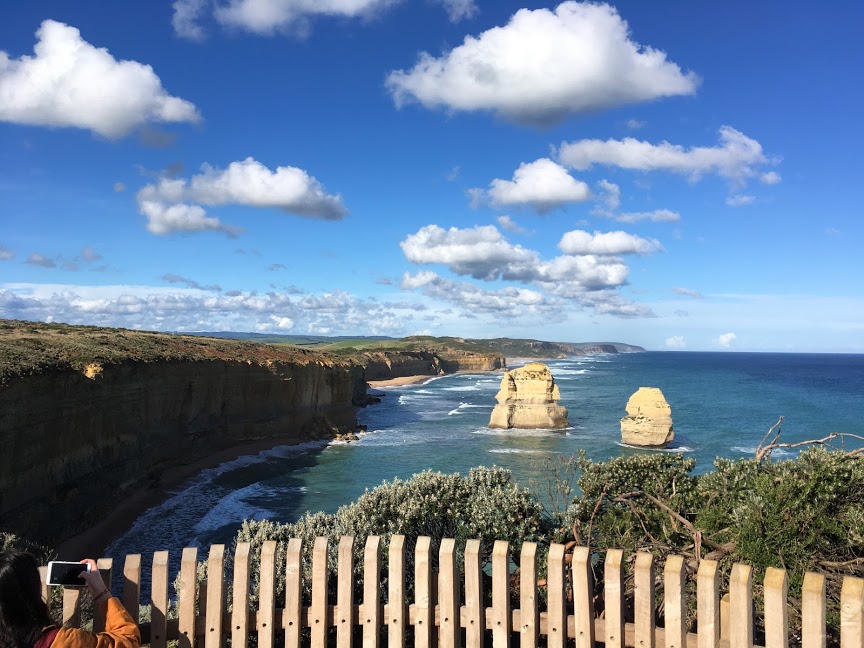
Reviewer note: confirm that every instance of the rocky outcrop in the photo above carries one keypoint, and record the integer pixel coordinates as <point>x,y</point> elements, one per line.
<point>649,419</point>
<point>76,441</point>
<point>528,399</point>
<point>391,364</point>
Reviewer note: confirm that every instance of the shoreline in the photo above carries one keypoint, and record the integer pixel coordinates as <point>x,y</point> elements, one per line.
<point>94,540</point>
<point>400,381</point>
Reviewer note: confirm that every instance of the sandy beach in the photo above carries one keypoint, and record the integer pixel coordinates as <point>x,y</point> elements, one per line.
<point>399,382</point>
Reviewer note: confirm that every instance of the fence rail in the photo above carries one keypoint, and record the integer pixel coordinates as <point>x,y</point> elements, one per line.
<point>438,616</point>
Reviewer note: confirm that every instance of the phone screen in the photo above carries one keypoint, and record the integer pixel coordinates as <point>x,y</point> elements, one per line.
<point>66,573</point>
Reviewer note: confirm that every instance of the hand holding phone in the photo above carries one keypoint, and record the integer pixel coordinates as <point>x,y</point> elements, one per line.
<point>67,574</point>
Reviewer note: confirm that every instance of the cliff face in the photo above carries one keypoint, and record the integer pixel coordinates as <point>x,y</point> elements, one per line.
<point>74,442</point>
<point>386,365</point>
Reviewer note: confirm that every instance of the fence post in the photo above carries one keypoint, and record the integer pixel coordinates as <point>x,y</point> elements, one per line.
<point>556,615</point>
<point>187,595</point>
<point>643,605</point>
<point>214,637</point>
<point>240,600</point>
<point>371,592</point>
<point>396,592</point>
<point>475,614</point>
<point>708,604</point>
<point>345,619</point>
<point>776,586</point>
<point>852,612</point>
<point>159,599</point>
<point>583,598</point>
<point>267,595</point>
<point>106,570</point>
<point>741,606</point>
<point>813,611</point>
<point>529,614</point>
<point>613,597</point>
<point>448,595</point>
<point>318,611</point>
<point>293,588</point>
<point>502,620</point>
<point>132,586</point>
<point>674,602</point>
<point>425,612</point>
<point>71,608</point>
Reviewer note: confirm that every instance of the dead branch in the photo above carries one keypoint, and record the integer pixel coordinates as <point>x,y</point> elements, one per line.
<point>764,450</point>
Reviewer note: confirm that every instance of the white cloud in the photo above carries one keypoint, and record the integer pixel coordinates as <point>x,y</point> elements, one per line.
<point>71,83</point>
<point>169,204</point>
<point>270,16</point>
<point>605,243</point>
<point>543,66</point>
<point>725,340</point>
<point>656,216</point>
<point>460,9</point>
<point>610,194</point>
<point>542,185</point>
<point>189,309</point>
<point>41,261</point>
<point>687,292</point>
<point>676,342</point>
<point>483,253</point>
<point>635,124</point>
<point>770,178</point>
<point>740,200</point>
<point>6,254</point>
<point>187,13</point>
<point>510,225</point>
<point>736,158</point>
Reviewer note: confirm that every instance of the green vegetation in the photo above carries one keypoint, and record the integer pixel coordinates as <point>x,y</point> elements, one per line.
<point>30,348</point>
<point>803,514</point>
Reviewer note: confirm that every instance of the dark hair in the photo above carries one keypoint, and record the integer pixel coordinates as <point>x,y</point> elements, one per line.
<point>23,613</point>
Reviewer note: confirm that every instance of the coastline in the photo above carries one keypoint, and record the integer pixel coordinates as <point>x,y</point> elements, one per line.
<point>94,540</point>
<point>399,382</point>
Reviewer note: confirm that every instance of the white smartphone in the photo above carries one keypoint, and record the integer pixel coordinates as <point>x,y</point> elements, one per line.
<point>66,574</point>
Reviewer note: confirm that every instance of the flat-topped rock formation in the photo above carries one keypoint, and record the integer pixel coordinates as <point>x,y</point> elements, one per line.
<point>649,419</point>
<point>529,399</point>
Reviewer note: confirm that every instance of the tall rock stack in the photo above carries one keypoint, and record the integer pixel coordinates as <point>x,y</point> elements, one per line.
<point>649,419</point>
<point>528,399</point>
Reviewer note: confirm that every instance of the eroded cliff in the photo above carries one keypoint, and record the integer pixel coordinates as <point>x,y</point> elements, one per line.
<point>395,364</point>
<point>79,429</point>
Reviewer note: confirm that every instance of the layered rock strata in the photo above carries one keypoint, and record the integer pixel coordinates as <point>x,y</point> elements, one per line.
<point>528,398</point>
<point>387,365</point>
<point>75,442</point>
<point>649,419</point>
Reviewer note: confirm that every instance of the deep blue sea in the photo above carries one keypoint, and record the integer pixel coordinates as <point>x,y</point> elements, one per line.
<point>722,405</point>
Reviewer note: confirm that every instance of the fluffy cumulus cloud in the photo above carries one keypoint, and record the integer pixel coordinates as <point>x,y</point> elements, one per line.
<point>604,243</point>
<point>70,83</point>
<point>267,17</point>
<point>586,279</point>
<point>174,205</point>
<point>542,185</point>
<point>543,66</point>
<point>725,340</point>
<point>737,157</point>
<point>676,342</point>
<point>189,309</point>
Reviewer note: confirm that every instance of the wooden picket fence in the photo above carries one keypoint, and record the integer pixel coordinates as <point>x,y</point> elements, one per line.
<point>439,616</point>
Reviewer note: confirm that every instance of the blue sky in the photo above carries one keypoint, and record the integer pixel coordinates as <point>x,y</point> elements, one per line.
<point>675,175</point>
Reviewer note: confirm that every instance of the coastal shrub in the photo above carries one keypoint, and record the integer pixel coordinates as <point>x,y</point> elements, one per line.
<point>485,505</point>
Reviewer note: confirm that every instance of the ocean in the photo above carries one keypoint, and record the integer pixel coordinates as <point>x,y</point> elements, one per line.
<point>722,406</point>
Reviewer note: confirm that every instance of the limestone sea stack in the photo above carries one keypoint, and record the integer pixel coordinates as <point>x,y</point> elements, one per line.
<point>529,399</point>
<point>649,419</point>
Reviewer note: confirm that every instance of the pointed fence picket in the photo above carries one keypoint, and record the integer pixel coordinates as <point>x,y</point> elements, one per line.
<point>425,609</point>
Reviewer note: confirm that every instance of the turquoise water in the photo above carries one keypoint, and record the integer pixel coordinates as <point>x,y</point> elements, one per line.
<point>722,405</point>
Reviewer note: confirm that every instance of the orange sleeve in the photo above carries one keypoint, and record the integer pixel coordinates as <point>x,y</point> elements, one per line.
<point>120,632</point>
